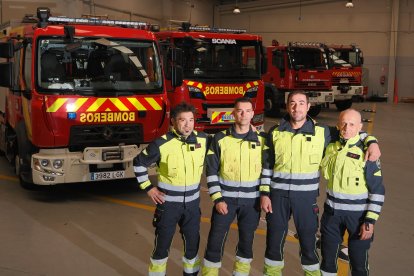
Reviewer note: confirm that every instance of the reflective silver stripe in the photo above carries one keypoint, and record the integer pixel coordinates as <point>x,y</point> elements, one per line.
<point>240,194</point>
<point>267,172</point>
<point>236,273</point>
<point>156,273</point>
<point>214,189</point>
<point>207,263</point>
<point>376,197</point>
<point>374,207</point>
<point>313,267</point>
<point>274,263</point>
<point>231,183</point>
<point>181,198</point>
<point>347,196</point>
<point>243,260</point>
<point>177,188</point>
<point>327,273</point>
<point>287,175</point>
<point>142,178</point>
<point>212,178</point>
<point>140,169</point>
<point>293,187</point>
<point>159,262</point>
<point>265,181</point>
<point>195,265</point>
<point>347,207</point>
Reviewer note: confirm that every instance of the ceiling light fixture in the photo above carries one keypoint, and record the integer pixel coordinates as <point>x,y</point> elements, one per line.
<point>349,4</point>
<point>236,9</point>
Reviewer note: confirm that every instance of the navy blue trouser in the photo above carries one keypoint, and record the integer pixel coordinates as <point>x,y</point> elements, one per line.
<point>305,215</point>
<point>166,217</point>
<point>247,212</point>
<point>332,232</point>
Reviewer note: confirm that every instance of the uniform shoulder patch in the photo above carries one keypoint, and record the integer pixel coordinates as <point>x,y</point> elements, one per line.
<point>353,155</point>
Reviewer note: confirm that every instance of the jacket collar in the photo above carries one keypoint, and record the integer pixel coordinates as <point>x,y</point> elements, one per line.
<point>352,142</point>
<point>250,136</point>
<point>307,128</point>
<point>191,139</point>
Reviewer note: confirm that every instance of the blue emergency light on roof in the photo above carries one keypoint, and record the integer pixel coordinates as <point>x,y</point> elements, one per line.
<point>216,30</point>
<point>98,21</point>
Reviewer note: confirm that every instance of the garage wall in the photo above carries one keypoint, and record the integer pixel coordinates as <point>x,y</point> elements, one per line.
<point>368,25</point>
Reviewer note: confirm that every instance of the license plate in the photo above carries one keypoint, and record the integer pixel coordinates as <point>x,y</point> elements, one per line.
<point>107,175</point>
<point>228,117</point>
<point>329,98</point>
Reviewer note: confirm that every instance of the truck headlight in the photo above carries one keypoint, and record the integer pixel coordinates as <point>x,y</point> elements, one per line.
<point>44,162</point>
<point>58,163</point>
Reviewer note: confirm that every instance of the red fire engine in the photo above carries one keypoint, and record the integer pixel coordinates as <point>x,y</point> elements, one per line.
<point>346,63</point>
<point>82,95</point>
<point>297,66</point>
<point>219,65</point>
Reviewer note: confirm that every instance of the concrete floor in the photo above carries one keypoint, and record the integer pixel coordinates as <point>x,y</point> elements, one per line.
<point>105,228</point>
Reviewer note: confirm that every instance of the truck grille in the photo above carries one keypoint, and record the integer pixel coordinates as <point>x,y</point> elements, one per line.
<point>104,135</point>
<point>351,80</point>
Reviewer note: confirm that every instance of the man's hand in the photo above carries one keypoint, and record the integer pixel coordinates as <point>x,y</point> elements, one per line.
<point>366,231</point>
<point>156,196</point>
<point>266,204</point>
<point>373,153</point>
<point>221,208</point>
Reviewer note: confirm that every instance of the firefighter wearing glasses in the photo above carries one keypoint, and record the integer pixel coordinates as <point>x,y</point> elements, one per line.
<point>179,156</point>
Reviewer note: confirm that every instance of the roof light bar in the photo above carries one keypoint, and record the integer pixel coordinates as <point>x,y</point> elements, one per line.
<point>216,30</point>
<point>98,21</point>
<point>306,44</point>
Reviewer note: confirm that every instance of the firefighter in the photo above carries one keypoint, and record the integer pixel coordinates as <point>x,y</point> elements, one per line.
<point>290,183</point>
<point>355,195</point>
<point>179,156</point>
<point>234,164</point>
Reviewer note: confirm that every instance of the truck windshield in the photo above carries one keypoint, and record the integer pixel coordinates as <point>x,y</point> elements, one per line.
<point>212,59</point>
<point>98,66</point>
<point>308,58</point>
<point>353,58</point>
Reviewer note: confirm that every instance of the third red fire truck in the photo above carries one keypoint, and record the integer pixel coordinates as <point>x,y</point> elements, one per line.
<point>219,65</point>
<point>297,66</point>
<point>346,63</point>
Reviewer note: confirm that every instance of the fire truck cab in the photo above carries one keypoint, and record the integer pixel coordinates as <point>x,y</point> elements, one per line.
<point>297,66</point>
<point>218,66</point>
<point>81,96</point>
<point>346,64</point>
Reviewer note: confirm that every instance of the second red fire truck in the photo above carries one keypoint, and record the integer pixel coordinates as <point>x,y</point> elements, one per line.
<point>218,66</point>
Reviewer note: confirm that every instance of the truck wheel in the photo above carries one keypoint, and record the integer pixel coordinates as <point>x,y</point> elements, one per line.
<point>24,184</point>
<point>272,108</point>
<point>342,105</point>
<point>314,110</point>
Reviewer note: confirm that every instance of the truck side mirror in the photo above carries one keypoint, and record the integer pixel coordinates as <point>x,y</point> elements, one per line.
<point>6,49</point>
<point>6,74</point>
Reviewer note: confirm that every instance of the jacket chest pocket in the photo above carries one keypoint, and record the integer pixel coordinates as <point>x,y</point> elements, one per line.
<point>354,169</point>
<point>230,161</point>
<point>172,165</point>
<point>255,162</point>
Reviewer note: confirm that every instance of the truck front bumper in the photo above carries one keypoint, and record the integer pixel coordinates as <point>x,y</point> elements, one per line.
<point>59,166</point>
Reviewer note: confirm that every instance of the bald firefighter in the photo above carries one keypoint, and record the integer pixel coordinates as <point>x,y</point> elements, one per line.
<point>355,195</point>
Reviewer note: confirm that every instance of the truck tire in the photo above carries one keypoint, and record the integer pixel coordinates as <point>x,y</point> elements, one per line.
<point>272,106</point>
<point>314,110</point>
<point>342,105</point>
<point>22,158</point>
